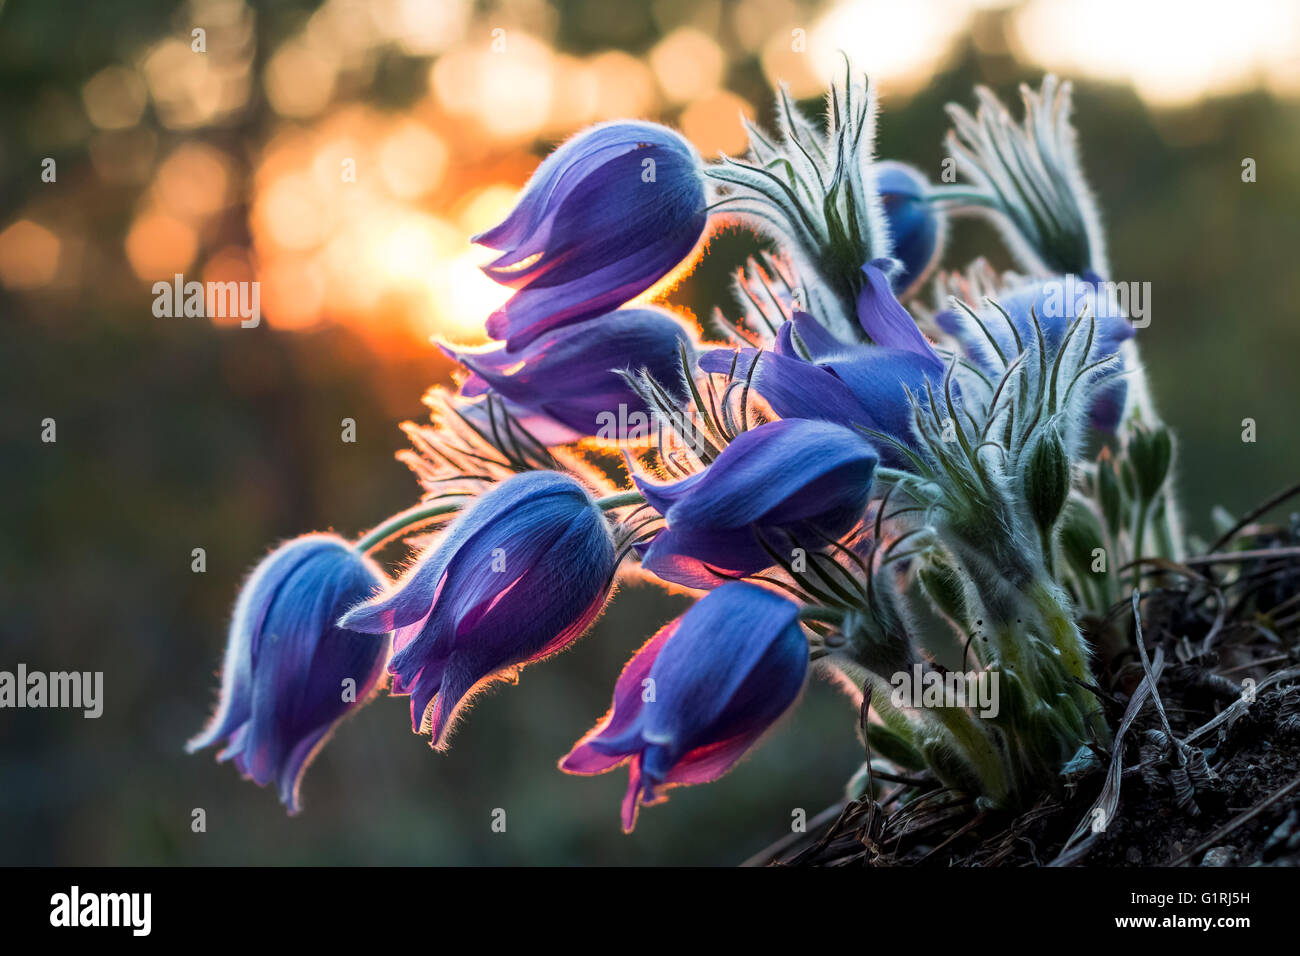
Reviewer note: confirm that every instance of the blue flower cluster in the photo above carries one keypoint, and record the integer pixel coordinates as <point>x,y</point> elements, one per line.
<point>840,447</point>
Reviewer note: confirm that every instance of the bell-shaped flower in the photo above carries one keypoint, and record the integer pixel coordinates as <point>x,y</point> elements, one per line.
<point>571,375</point>
<point>291,673</point>
<point>604,217</point>
<point>854,386</point>
<point>516,578</point>
<point>1055,302</point>
<point>916,227</point>
<point>792,477</point>
<point>698,695</point>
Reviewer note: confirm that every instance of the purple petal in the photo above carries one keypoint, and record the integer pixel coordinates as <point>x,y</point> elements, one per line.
<point>628,703</point>
<point>884,319</point>
<point>570,376</point>
<point>604,218</point>
<point>514,579</point>
<point>288,661</point>
<point>766,472</point>
<point>792,387</point>
<point>790,477</point>
<point>725,672</point>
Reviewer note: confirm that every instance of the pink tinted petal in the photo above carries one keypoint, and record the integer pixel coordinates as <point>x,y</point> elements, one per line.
<point>628,690</point>
<point>409,632</point>
<point>631,800</point>
<point>457,682</point>
<point>706,764</point>
<point>586,760</point>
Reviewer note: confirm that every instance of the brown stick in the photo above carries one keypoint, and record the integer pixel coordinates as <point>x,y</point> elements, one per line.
<point>1250,516</point>
<point>1227,557</point>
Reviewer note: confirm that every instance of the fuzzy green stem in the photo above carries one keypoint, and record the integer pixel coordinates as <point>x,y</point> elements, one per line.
<point>962,194</point>
<point>1144,410</point>
<point>826,615</point>
<point>1049,552</point>
<point>1061,631</point>
<point>893,475</point>
<point>405,521</point>
<point>978,748</point>
<point>620,500</point>
<point>1065,637</point>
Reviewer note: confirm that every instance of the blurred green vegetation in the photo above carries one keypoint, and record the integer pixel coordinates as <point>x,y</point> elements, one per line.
<point>173,434</point>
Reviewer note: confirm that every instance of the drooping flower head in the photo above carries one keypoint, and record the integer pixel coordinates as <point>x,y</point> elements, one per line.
<point>916,227</point>
<point>698,695</point>
<point>789,477</point>
<point>291,673</point>
<point>516,578</point>
<point>571,375</point>
<point>604,217</point>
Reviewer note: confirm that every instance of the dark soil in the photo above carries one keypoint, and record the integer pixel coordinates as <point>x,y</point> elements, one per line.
<point>1210,625</point>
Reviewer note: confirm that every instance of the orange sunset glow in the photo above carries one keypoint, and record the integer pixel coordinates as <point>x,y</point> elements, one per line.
<point>351,212</point>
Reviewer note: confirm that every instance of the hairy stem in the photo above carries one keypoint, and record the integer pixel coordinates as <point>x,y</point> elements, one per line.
<point>406,521</point>
<point>424,513</point>
<point>976,744</point>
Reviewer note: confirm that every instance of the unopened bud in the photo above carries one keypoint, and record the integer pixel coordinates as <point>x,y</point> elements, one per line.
<point>1047,482</point>
<point>1109,493</point>
<point>1151,450</point>
<point>1081,536</point>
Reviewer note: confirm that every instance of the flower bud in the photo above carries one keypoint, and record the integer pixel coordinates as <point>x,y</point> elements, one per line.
<point>1151,450</point>
<point>1110,493</point>
<point>1047,481</point>
<point>945,587</point>
<point>1081,538</point>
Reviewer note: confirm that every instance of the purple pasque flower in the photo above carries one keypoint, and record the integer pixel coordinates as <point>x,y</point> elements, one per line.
<point>291,673</point>
<point>811,374</point>
<point>698,695</point>
<point>516,578</point>
<point>604,217</point>
<point>570,375</point>
<point>1056,302</point>
<point>916,228</point>
<point>788,477</point>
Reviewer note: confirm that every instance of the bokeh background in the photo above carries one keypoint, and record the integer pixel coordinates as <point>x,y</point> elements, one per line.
<point>177,433</point>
